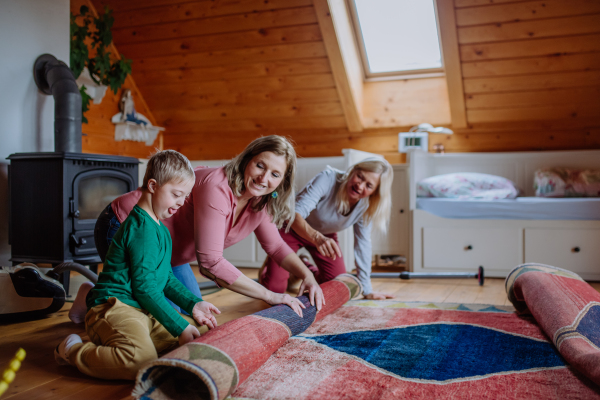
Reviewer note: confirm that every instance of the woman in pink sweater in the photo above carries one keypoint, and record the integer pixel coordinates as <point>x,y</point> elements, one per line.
<point>252,193</point>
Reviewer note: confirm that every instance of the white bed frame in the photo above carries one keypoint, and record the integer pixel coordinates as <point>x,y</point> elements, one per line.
<point>446,244</point>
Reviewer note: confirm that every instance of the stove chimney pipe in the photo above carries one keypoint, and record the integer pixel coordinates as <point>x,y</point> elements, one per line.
<point>54,77</point>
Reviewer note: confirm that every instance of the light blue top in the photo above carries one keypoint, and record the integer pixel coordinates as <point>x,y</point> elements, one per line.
<point>316,204</point>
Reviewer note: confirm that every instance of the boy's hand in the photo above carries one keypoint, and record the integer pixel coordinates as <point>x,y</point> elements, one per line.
<point>190,333</point>
<point>202,313</point>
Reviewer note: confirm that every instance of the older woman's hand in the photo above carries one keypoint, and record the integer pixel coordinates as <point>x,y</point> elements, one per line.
<point>315,293</point>
<point>282,298</point>
<point>379,296</point>
<point>327,246</point>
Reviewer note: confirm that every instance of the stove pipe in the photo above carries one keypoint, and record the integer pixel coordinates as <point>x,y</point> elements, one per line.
<point>54,77</point>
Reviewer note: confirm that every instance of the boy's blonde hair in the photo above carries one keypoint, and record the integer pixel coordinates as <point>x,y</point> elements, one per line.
<point>166,166</point>
<point>280,208</point>
<point>380,202</point>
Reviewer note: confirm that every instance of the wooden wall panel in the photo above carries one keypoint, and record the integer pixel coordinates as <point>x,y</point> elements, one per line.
<point>99,132</point>
<point>531,75</point>
<point>219,73</point>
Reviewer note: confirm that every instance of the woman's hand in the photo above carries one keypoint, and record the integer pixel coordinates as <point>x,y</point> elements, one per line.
<point>315,293</point>
<point>190,333</point>
<point>326,246</point>
<point>202,313</point>
<point>282,298</point>
<point>379,296</point>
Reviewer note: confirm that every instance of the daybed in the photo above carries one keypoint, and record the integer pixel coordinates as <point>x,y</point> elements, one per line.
<point>460,235</point>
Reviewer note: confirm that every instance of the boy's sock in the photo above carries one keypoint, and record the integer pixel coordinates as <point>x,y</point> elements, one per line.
<point>79,308</point>
<point>61,353</point>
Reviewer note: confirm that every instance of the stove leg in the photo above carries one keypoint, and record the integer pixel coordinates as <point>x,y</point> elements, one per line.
<point>94,268</point>
<point>65,279</point>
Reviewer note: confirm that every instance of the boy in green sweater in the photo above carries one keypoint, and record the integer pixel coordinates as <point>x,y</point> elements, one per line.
<point>129,320</point>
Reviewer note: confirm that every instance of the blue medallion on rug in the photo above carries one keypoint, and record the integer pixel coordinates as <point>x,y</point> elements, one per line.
<point>444,351</point>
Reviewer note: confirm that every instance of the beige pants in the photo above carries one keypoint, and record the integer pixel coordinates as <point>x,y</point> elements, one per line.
<point>123,338</point>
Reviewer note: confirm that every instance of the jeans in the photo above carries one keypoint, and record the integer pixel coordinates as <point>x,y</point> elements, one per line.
<point>106,227</point>
<point>185,275</point>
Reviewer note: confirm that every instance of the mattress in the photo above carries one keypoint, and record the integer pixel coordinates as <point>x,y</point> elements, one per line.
<point>520,208</point>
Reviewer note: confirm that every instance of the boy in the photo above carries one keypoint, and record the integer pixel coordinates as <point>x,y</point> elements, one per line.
<point>129,320</point>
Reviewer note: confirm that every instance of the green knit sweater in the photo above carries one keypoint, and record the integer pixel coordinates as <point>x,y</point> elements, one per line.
<point>138,272</point>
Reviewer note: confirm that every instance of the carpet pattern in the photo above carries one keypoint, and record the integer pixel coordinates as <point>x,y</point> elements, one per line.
<point>389,350</point>
<point>363,349</point>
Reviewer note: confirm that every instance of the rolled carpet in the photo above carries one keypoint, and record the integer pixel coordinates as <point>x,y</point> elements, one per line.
<point>567,309</point>
<point>212,366</point>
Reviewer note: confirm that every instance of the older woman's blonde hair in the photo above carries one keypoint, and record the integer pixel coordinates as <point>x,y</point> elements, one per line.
<point>380,202</point>
<point>280,208</point>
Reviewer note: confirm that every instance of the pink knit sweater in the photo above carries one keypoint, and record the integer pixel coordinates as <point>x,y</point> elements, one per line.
<point>201,228</point>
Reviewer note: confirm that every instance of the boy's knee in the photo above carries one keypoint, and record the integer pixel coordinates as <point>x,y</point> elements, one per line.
<point>131,368</point>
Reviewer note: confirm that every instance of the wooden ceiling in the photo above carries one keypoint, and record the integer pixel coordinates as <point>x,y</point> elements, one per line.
<point>215,71</point>
<point>219,73</point>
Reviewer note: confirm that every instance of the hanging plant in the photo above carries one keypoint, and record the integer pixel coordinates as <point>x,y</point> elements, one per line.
<point>97,31</point>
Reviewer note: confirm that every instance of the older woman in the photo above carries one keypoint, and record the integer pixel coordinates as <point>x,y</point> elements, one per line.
<point>331,202</point>
<point>252,193</point>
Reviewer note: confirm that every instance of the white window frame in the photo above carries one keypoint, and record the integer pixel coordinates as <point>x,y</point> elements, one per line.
<point>393,75</point>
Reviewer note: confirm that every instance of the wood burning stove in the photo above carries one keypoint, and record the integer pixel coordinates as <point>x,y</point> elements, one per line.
<point>56,197</point>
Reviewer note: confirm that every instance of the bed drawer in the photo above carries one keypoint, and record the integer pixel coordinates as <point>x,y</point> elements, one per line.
<point>468,248</point>
<point>577,250</point>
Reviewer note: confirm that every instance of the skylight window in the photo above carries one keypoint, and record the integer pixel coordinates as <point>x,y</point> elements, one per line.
<point>398,37</point>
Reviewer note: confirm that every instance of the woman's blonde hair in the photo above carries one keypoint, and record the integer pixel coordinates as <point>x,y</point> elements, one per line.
<point>380,202</point>
<point>166,166</point>
<point>280,208</point>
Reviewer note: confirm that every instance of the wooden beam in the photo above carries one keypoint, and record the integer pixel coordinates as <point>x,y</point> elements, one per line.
<point>346,71</point>
<point>525,10</point>
<point>452,67</point>
<point>471,3</point>
<point>530,47</point>
<point>214,58</point>
<point>568,96</point>
<point>532,65</point>
<point>224,41</point>
<point>519,140</point>
<point>215,25</point>
<point>235,71</point>
<point>148,12</point>
<point>541,113</point>
<point>521,83</point>
<point>568,26</point>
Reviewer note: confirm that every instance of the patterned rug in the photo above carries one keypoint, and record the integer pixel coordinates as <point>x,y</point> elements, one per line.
<point>361,349</point>
<point>390,350</point>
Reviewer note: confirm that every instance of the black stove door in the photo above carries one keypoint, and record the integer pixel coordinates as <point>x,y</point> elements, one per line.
<point>92,192</point>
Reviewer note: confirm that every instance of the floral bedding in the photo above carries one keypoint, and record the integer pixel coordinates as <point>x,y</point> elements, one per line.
<point>565,182</point>
<point>467,185</point>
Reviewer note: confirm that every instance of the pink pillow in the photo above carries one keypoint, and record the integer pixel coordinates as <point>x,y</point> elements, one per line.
<point>564,182</point>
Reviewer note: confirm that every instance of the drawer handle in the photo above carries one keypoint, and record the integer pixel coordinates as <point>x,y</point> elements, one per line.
<point>469,247</point>
<point>576,249</point>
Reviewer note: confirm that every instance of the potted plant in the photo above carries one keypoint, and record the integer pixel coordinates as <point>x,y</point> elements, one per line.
<point>101,70</point>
